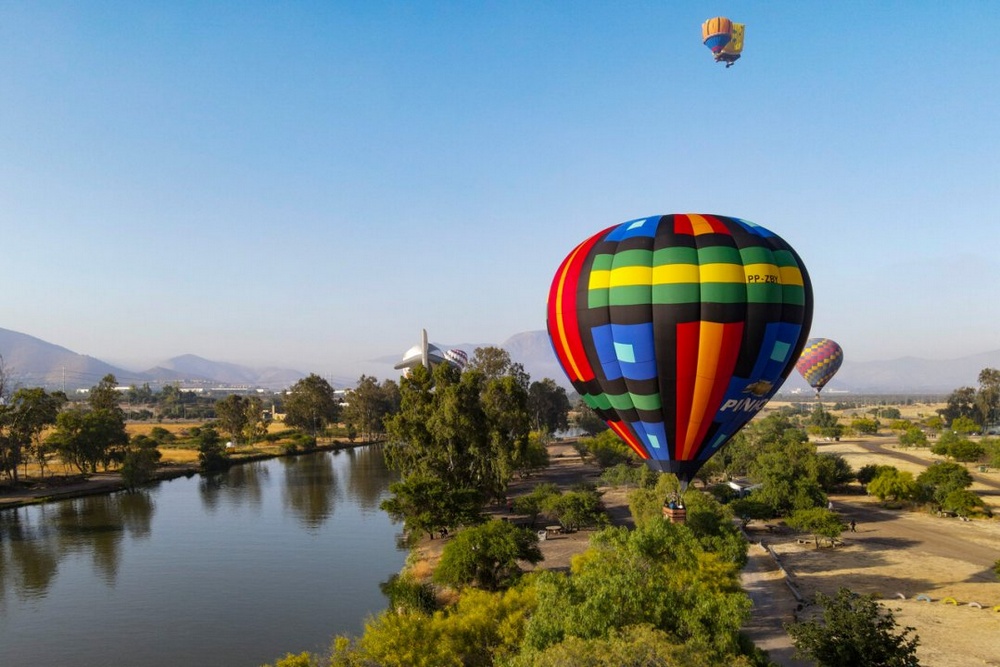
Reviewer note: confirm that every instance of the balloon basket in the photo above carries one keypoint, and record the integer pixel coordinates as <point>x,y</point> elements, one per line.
<point>674,513</point>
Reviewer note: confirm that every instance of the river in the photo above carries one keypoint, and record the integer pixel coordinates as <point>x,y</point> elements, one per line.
<point>235,569</point>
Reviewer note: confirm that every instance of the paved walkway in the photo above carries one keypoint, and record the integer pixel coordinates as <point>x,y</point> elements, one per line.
<point>773,606</point>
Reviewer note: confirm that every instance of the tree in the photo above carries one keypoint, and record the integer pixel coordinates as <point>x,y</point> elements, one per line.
<point>486,556</point>
<point>576,509</point>
<point>865,425</point>
<point>872,470</point>
<point>913,436</point>
<point>548,406</point>
<point>988,396</point>
<point>212,455</point>
<point>23,419</point>
<point>140,462</point>
<point>942,478</point>
<point>960,403</point>
<point>86,438</point>
<point>311,404</point>
<point>427,504</point>
<point>368,405</point>
<point>965,425</point>
<point>606,449</point>
<point>893,484</point>
<point>854,630</point>
<point>819,521</point>
<point>242,417</point>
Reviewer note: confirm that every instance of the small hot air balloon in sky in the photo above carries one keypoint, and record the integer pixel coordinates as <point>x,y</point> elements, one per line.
<point>677,329</point>
<point>724,38</point>
<point>821,359</point>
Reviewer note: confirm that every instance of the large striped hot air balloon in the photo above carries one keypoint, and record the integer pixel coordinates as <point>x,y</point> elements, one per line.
<point>678,329</point>
<point>820,360</point>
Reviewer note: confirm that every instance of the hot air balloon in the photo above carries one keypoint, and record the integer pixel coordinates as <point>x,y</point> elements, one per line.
<point>820,360</point>
<point>458,358</point>
<point>677,329</point>
<point>724,38</point>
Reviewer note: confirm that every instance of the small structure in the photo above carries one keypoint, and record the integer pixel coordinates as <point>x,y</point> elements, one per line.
<point>673,510</point>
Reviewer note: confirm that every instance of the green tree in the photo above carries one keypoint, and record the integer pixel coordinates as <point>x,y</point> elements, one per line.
<point>942,478</point>
<point>988,396</point>
<point>869,472</point>
<point>141,459</point>
<point>960,403</point>
<point>486,556</point>
<point>865,426</point>
<point>311,405</point>
<point>86,438</point>
<point>533,502</point>
<point>913,436</point>
<point>963,502</point>
<point>212,454</point>
<point>965,425</point>
<point>242,417</point>
<point>819,521</point>
<point>548,406</point>
<point>893,484</point>
<point>368,405</point>
<point>23,419</point>
<point>577,509</point>
<point>656,575</point>
<point>426,504</point>
<point>854,630</point>
<point>605,449</point>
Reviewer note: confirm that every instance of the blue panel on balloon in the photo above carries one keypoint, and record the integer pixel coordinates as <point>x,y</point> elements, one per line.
<point>634,228</point>
<point>779,340</point>
<point>634,349</point>
<point>654,439</point>
<point>604,344</point>
<point>718,41</point>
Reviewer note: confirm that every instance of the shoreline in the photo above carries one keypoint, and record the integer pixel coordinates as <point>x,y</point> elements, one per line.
<point>65,487</point>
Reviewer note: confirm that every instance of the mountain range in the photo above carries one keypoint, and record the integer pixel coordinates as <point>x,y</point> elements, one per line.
<point>29,361</point>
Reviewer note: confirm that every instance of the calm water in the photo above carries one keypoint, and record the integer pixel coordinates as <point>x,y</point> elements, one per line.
<point>238,569</point>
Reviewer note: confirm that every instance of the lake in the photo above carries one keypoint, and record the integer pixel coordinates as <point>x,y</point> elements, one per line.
<point>236,569</point>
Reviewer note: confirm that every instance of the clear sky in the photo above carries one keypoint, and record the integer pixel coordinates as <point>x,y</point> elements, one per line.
<point>308,184</point>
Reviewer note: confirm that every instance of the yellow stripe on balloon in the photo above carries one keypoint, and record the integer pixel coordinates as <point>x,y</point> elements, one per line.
<point>719,272</point>
<point>599,279</point>
<point>669,274</point>
<point>627,276</point>
<point>791,275</point>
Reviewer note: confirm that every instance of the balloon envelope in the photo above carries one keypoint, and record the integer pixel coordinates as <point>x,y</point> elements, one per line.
<point>677,329</point>
<point>820,360</point>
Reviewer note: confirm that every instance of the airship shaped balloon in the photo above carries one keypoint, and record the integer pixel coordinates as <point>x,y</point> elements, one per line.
<point>820,360</point>
<point>677,330</point>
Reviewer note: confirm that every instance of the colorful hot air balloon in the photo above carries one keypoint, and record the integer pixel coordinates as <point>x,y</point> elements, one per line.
<point>677,329</point>
<point>820,360</point>
<point>724,38</point>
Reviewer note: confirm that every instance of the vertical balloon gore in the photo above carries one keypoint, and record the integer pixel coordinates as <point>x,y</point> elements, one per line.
<point>677,329</point>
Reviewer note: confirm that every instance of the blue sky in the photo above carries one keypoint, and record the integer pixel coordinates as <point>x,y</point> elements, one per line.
<point>308,184</point>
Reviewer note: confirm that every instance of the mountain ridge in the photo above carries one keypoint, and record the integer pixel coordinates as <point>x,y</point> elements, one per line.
<point>31,361</point>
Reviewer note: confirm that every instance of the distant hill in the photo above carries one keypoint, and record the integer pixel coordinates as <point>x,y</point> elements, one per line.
<point>30,361</point>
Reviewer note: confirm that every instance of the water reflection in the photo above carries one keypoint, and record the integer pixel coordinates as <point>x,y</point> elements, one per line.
<point>367,481</point>
<point>261,536</point>
<point>311,488</point>
<point>241,485</point>
<point>33,541</point>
